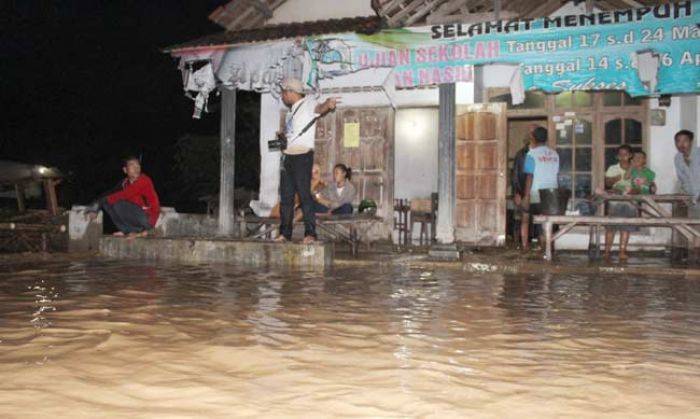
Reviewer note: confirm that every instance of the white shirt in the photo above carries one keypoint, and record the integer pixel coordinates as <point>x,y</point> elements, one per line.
<point>301,113</point>
<point>542,163</point>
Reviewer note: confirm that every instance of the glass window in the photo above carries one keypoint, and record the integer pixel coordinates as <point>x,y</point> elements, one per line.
<point>621,131</point>
<point>575,148</point>
<point>633,132</point>
<point>631,101</point>
<point>533,100</point>
<point>583,159</point>
<point>565,159</point>
<point>582,184</point>
<point>614,98</point>
<point>573,99</point>
<point>565,136</point>
<point>565,180</point>
<point>584,99</point>
<point>613,132</point>
<point>584,132</point>
<point>610,156</point>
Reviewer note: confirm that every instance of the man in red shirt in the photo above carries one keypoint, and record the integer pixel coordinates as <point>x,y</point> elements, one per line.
<point>134,206</point>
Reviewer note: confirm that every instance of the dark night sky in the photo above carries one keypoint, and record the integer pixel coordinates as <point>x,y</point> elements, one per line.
<point>84,82</point>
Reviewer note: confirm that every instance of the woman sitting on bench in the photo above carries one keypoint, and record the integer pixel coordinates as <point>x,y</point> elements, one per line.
<point>338,196</point>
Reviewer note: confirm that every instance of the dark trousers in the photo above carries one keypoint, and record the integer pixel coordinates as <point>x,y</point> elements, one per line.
<point>343,209</point>
<point>295,178</point>
<point>126,216</point>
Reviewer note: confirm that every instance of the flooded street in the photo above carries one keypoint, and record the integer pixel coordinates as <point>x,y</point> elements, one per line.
<point>125,339</point>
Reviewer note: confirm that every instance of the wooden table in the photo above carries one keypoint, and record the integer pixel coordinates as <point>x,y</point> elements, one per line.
<point>652,206</point>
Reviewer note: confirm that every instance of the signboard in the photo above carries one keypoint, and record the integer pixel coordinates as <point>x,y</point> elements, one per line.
<point>593,51</point>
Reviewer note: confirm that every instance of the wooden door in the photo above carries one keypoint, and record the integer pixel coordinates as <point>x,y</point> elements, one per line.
<point>482,154</point>
<point>371,159</point>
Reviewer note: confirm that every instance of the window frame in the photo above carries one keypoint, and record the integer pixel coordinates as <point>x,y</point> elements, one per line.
<point>597,113</point>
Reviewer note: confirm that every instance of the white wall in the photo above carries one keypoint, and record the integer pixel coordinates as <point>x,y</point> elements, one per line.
<point>309,10</point>
<point>270,109</point>
<point>416,166</point>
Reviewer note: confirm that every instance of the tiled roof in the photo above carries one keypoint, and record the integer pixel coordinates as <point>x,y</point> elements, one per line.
<point>366,25</point>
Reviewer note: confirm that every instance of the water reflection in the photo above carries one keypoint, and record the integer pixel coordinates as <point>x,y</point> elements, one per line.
<point>100,338</point>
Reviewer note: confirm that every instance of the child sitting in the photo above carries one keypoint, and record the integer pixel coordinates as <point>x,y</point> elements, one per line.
<point>640,177</point>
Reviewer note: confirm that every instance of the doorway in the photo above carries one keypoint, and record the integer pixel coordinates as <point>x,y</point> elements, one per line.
<point>518,135</point>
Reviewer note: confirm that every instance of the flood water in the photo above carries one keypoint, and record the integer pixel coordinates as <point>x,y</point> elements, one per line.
<point>125,339</point>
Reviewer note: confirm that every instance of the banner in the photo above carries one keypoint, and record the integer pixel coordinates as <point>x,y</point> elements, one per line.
<point>593,51</point>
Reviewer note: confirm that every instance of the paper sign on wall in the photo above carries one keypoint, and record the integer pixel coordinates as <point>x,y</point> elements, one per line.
<point>351,135</point>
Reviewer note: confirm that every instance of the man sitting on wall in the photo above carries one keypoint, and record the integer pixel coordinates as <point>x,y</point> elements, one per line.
<point>133,206</point>
<point>542,171</point>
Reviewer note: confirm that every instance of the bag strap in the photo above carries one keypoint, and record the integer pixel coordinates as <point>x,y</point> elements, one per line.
<point>306,127</point>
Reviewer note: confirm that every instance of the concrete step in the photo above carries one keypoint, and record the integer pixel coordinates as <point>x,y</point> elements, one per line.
<point>251,253</point>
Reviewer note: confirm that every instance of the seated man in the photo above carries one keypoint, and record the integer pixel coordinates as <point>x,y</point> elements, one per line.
<point>133,206</point>
<point>337,197</point>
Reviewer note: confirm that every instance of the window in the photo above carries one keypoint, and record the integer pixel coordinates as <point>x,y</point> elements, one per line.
<point>567,100</point>
<point>596,123</point>
<point>575,148</point>
<point>533,100</point>
<point>619,99</point>
<point>618,131</point>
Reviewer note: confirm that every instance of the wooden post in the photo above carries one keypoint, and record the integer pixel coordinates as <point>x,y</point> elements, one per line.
<point>446,165</point>
<point>228,155</point>
<point>548,240</point>
<point>19,191</point>
<point>479,96</point>
<point>50,193</point>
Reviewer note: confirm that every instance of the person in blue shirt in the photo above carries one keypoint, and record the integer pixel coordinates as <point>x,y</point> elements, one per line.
<point>542,171</point>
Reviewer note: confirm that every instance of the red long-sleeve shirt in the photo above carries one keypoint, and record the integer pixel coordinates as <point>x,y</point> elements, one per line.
<point>142,193</point>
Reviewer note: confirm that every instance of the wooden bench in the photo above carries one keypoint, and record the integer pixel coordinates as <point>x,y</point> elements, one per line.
<point>681,225</point>
<point>349,228</point>
<point>32,237</point>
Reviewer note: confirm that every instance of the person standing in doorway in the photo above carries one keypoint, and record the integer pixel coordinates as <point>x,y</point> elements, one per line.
<point>542,171</point>
<point>518,181</point>
<point>687,164</point>
<point>617,179</point>
<point>298,157</point>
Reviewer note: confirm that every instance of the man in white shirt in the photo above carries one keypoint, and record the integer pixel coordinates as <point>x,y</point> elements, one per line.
<point>687,163</point>
<point>298,157</point>
<point>542,172</point>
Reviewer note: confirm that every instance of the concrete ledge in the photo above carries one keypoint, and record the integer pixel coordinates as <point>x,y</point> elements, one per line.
<point>241,252</point>
<point>511,266</point>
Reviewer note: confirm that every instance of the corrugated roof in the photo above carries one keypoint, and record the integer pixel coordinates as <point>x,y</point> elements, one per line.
<point>366,25</point>
<point>399,13</point>
<point>237,15</point>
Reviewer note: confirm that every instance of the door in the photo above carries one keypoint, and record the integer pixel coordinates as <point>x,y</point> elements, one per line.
<point>480,210</point>
<point>370,158</point>
<point>573,139</point>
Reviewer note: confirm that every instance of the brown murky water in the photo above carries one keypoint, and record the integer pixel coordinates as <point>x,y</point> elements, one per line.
<point>96,338</point>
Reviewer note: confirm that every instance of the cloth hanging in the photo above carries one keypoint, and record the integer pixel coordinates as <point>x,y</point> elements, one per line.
<point>200,82</point>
